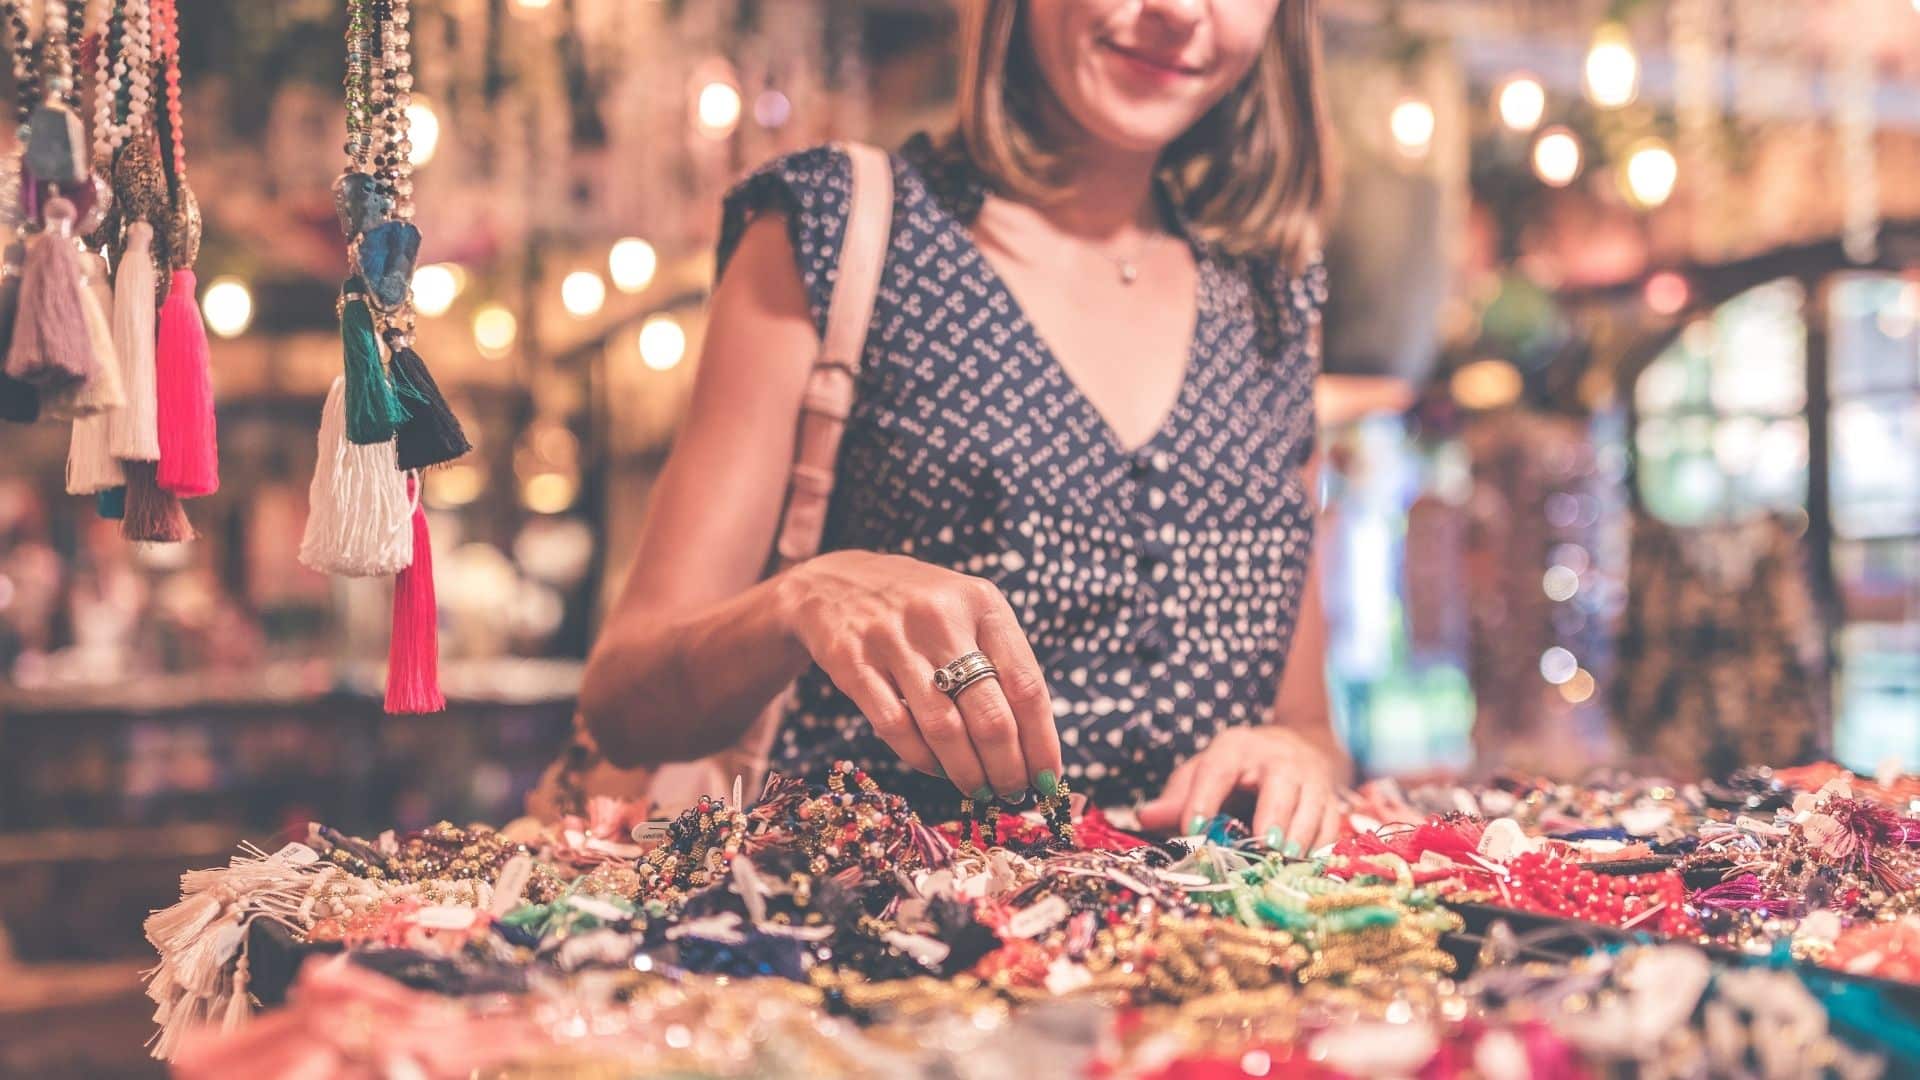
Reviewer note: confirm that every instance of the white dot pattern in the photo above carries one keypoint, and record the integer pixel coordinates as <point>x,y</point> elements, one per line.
<point>1159,587</point>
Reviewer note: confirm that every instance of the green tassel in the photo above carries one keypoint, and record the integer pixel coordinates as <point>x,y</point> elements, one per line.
<point>374,411</point>
<point>111,504</point>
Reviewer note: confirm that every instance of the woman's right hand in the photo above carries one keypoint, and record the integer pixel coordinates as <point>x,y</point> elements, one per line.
<point>879,625</point>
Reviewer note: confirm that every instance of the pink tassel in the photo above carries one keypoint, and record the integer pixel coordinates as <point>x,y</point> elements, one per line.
<point>413,655</point>
<point>189,455</point>
<point>50,346</point>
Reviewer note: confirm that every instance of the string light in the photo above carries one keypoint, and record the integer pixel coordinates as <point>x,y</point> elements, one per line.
<point>228,306</point>
<point>583,293</point>
<point>423,131</point>
<point>1522,103</point>
<point>527,7</point>
<point>632,263</point>
<point>1557,665</point>
<point>1666,293</point>
<point>1412,123</point>
<point>1578,688</point>
<point>1651,173</point>
<point>494,329</point>
<point>717,109</point>
<point>662,343</point>
<point>435,287</point>
<point>1612,69</point>
<point>1486,384</point>
<point>1556,157</point>
<point>772,109</point>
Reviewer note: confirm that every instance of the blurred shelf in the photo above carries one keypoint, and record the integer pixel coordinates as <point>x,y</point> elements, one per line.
<point>488,682</point>
<point>40,847</point>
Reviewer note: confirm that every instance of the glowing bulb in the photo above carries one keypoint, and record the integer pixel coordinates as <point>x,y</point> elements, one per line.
<point>228,306</point>
<point>1651,174</point>
<point>583,292</point>
<point>662,343</point>
<point>1612,71</point>
<point>494,329</point>
<point>1412,123</point>
<point>632,263</point>
<point>1578,688</point>
<point>1666,293</point>
<point>1556,157</point>
<point>717,109</point>
<point>1486,384</point>
<point>423,131</point>
<point>772,109</point>
<point>1557,665</point>
<point>532,5</point>
<point>1522,102</point>
<point>435,287</point>
<point>549,492</point>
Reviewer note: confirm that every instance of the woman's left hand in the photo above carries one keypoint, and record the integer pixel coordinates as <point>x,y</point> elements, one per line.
<point>1294,785</point>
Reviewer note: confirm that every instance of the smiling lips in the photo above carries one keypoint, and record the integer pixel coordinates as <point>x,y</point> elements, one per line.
<point>1166,67</point>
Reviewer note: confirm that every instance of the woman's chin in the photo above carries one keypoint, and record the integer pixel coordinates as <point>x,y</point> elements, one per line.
<point>1146,128</point>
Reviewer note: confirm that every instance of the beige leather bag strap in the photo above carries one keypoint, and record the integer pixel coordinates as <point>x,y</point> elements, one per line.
<point>832,384</point>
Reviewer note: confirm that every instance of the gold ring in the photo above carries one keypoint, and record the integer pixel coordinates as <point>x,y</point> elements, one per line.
<point>957,675</point>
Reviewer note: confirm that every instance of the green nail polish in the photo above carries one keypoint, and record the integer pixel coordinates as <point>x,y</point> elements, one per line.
<point>1197,825</point>
<point>1292,850</point>
<point>1275,838</point>
<point>1048,783</point>
<point>985,794</point>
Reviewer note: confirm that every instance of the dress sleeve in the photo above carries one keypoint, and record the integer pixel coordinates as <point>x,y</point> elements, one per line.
<point>1291,303</point>
<point>810,189</point>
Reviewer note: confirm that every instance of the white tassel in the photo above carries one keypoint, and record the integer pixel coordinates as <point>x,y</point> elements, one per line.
<point>359,516</point>
<point>172,929</point>
<point>91,466</point>
<point>238,1007</point>
<point>136,428</point>
<point>102,391</point>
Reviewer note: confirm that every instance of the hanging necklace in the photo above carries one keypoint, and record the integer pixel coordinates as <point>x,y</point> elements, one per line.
<point>1129,265</point>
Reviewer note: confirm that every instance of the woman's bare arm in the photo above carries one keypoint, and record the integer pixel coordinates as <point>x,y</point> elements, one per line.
<point>692,649</point>
<point>695,646</point>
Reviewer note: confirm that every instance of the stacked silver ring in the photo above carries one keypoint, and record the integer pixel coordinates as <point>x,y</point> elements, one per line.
<point>953,677</point>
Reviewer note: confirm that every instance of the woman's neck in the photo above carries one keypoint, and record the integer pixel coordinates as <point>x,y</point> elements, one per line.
<point>1107,191</point>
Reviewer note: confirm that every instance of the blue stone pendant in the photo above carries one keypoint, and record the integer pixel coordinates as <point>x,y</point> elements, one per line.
<point>385,257</point>
<point>361,204</point>
<point>55,144</point>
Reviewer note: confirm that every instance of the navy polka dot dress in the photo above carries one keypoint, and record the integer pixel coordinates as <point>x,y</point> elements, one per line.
<point>1159,585</point>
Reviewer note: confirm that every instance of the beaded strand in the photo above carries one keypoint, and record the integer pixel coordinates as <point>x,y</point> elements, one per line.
<point>26,77</point>
<point>167,27</point>
<point>358,83</point>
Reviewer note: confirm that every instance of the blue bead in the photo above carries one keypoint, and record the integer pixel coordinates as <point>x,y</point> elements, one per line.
<point>387,254</point>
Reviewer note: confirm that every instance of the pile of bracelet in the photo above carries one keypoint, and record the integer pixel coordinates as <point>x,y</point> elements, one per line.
<point>831,918</point>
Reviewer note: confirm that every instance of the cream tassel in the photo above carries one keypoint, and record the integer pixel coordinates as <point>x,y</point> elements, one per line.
<point>359,516</point>
<point>90,464</point>
<point>136,428</point>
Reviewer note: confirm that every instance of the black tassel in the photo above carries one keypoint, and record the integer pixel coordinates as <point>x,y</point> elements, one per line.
<point>19,401</point>
<point>432,434</point>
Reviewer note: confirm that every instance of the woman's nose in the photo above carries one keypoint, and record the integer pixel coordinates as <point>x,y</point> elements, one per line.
<point>1177,15</point>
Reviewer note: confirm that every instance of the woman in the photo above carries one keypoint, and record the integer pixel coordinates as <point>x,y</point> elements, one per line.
<point>1080,445</point>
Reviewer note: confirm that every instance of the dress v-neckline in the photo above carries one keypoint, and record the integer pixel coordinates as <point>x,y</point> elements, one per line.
<point>1189,373</point>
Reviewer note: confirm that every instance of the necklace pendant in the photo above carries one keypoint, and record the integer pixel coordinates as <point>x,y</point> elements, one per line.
<point>1129,273</point>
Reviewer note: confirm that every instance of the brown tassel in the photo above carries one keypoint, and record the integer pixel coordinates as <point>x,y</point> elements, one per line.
<point>153,513</point>
<point>51,347</point>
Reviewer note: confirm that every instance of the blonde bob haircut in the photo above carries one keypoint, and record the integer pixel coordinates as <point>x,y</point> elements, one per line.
<point>1251,176</point>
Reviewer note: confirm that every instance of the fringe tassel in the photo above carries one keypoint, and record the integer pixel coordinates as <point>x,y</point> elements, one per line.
<point>111,504</point>
<point>432,435</point>
<point>135,431</point>
<point>374,412</point>
<point>94,403</point>
<point>50,348</point>
<point>357,506</point>
<point>152,514</point>
<point>183,399</point>
<point>413,653</point>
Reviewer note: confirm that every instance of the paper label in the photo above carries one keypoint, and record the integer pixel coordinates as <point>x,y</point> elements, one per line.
<point>298,854</point>
<point>1037,919</point>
